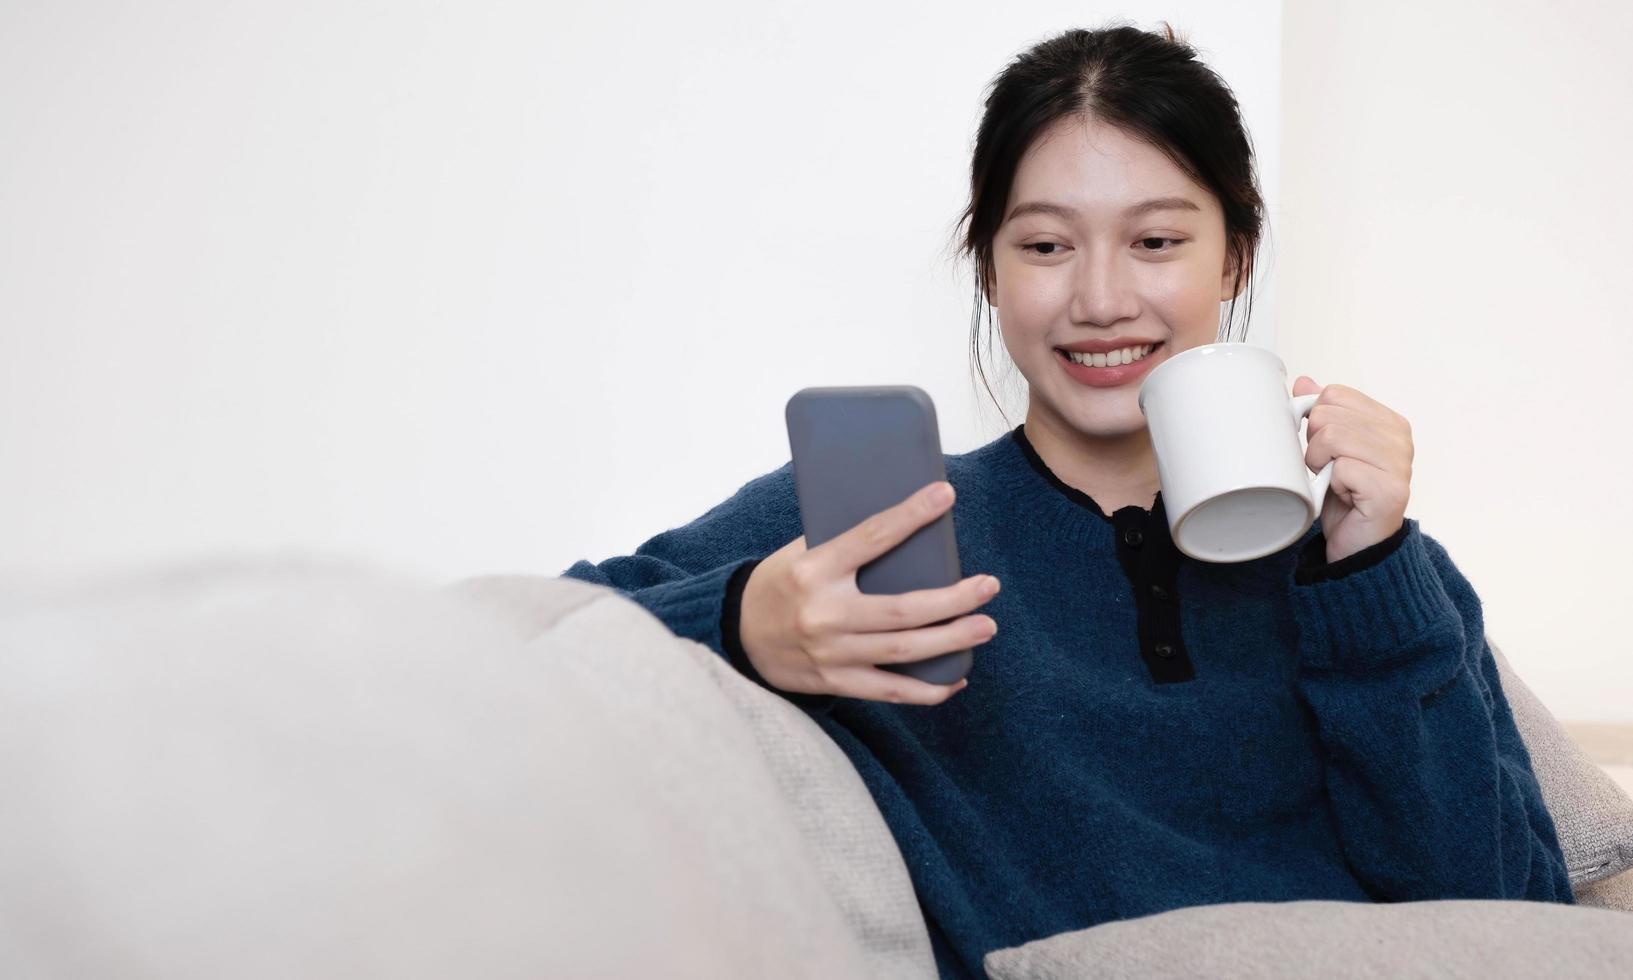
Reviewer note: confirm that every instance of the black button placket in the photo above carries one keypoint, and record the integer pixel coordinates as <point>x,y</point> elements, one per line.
<point>1151,562</point>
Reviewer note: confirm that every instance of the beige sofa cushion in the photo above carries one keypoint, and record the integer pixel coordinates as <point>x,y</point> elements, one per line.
<point>1478,940</point>
<point>822,797</point>
<point>273,771</point>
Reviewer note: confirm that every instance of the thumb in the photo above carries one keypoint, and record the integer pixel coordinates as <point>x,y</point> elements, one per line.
<point>1305,385</point>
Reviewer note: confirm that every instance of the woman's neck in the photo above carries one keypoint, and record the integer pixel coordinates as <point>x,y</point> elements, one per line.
<point>1116,472</point>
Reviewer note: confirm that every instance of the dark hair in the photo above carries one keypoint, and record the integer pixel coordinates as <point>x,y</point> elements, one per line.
<point>1151,86</point>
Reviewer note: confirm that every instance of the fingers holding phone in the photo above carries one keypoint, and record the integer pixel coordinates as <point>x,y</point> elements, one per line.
<point>807,627</point>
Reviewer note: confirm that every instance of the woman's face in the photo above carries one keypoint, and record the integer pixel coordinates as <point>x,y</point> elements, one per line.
<point>1101,269</point>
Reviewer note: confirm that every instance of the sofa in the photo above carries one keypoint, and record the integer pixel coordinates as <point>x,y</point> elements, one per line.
<point>297,766</point>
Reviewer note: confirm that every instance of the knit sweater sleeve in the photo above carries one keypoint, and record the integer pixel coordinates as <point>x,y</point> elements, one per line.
<point>692,577</point>
<point>1430,785</point>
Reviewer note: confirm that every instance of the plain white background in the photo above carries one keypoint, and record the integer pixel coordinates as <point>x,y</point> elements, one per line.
<point>491,287</point>
<point>1454,243</point>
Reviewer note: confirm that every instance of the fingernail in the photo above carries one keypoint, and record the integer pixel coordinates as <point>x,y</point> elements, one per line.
<point>942,493</point>
<point>990,585</point>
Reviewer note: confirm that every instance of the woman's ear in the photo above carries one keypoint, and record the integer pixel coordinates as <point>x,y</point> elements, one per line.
<point>1229,287</point>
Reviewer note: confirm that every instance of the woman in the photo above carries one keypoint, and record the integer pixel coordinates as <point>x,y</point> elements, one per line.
<point>1146,731</point>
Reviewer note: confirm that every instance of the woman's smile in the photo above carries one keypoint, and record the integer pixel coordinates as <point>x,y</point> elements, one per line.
<point>1108,377</point>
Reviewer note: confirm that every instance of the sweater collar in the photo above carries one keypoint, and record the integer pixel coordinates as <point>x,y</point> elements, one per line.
<point>1076,496</point>
<point>1061,510</point>
<point>1044,503</point>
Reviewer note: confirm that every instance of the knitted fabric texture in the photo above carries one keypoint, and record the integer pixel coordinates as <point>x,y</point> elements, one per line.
<point>1344,736</point>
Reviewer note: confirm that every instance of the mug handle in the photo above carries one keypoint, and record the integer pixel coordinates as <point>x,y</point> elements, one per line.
<point>1321,481</point>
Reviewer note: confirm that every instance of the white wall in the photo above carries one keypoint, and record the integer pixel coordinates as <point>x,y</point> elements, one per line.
<point>471,287</point>
<point>1454,219</point>
<point>480,287</point>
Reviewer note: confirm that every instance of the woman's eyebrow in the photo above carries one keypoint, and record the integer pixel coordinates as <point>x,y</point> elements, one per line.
<point>1144,207</point>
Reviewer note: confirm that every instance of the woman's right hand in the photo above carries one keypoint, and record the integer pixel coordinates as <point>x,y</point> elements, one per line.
<point>807,628</point>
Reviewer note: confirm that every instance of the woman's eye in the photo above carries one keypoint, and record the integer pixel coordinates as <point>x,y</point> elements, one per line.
<point>1155,246</point>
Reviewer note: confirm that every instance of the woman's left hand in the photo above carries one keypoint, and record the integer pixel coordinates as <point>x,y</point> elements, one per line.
<point>1373,474</point>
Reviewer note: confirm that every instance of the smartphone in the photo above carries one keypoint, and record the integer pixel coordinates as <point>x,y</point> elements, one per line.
<point>860,450</point>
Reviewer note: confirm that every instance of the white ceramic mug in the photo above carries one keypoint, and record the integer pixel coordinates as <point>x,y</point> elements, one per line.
<point>1226,435</point>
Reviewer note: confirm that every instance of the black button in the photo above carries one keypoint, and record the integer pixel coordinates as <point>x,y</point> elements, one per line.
<point>1165,650</point>
<point>1133,538</point>
<point>1159,592</point>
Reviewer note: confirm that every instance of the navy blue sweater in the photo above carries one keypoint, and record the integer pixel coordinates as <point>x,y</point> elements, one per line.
<point>1147,731</point>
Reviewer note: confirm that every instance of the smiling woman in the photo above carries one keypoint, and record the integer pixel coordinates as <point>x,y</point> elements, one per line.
<point>1139,731</point>
<point>1113,249</point>
<point>1107,213</point>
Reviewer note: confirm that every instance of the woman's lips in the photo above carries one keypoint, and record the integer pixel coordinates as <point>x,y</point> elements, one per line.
<point>1107,377</point>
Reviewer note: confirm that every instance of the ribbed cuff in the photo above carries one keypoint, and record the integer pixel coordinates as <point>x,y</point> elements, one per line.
<point>1390,611</point>
<point>690,607</point>
<point>731,618</point>
<point>1313,565</point>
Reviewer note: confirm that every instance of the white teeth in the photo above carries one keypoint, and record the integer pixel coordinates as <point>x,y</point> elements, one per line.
<point>1126,355</point>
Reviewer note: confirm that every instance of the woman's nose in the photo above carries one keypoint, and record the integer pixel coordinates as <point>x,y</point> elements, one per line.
<point>1104,289</point>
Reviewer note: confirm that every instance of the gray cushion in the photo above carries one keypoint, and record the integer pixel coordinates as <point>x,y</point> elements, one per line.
<point>1608,893</point>
<point>1593,816</point>
<point>1476,939</point>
